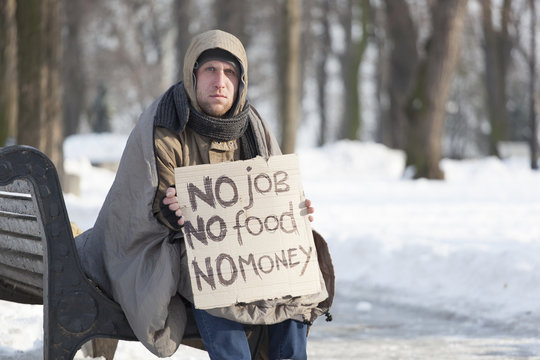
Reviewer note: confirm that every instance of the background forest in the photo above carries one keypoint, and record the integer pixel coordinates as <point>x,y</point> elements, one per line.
<point>453,78</point>
<point>422,267</point>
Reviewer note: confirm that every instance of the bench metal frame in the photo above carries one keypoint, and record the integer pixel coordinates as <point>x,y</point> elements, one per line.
<point>74,310</point>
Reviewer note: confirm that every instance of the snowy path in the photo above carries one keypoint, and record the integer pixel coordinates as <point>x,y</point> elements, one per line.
<point>426,348</point>
<point>377,328</point>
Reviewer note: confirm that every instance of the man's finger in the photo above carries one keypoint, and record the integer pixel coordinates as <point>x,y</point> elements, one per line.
<point>174,206</point>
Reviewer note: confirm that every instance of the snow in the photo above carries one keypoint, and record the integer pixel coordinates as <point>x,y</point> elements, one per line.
<point>466,247</point>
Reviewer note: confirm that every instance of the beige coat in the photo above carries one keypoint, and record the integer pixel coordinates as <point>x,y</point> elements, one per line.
<point>128,252</point>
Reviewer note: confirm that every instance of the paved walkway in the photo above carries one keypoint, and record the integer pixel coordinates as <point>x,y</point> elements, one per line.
<point>432,348</point>
<point>372,328</point>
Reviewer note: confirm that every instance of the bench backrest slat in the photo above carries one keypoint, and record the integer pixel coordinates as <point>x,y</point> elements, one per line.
<point>22,261</point>
<point>20,243</point>
<point>22,279</point>
<point>21,238</point>
<point>20,226</point>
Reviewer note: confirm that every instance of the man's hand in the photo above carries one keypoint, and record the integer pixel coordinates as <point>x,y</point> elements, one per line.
<point>310,209</point>
<point>172,202</point>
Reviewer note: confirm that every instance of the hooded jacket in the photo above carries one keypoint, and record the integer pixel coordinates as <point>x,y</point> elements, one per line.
<point>128,253</point>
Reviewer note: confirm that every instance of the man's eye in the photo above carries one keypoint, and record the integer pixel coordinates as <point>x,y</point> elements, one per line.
<point>230,72</point>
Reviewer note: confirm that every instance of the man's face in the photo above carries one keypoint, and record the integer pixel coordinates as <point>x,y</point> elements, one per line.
<point>217,84</point>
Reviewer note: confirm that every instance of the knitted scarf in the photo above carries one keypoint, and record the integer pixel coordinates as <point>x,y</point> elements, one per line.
<point>175,112</point>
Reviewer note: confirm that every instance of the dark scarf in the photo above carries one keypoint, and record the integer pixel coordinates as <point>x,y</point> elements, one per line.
<point>175,112</point>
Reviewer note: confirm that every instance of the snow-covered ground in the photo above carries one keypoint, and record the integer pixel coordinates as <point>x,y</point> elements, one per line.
<point>413,258</point>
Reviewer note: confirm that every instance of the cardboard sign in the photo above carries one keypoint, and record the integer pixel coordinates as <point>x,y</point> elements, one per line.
<point>247,232</point>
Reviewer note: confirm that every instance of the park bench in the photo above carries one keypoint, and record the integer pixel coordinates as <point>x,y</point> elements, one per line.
<point>39,262</point>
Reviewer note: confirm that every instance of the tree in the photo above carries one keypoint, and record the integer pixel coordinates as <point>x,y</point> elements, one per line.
<point>350,64</point>
<point>39,80</point>
<point>182,12</point>
<point>29,23</point>
<point>403,61</point>
<point>532,93</point>
<point>231,17</point>
<point>73,73</point>
<point>497,46</point>
<point>426,107</point>
<point>290,67</point>
<point>3,73</point>
<point>8,72</point>
<point>325,47</point>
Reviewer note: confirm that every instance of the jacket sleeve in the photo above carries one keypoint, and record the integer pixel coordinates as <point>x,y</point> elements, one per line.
<point>168,156</point>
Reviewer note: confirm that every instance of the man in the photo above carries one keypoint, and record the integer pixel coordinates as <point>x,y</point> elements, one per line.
<point>137,238</point>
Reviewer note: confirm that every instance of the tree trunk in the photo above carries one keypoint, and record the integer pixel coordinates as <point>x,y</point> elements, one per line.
<point>39,46</point>
<point>383,128</point>
<point>403,69</point>
<point>496,54</point>
<point>290,67</point>
<point>426,108</point>
<point>3,73</point>
<point>351,69</point>
<point>51,89</point>
<point>322,75</point>
<point>73,67</point>
<point>29,18</point>
<point>8,71</point>
<point>182,12</point>
<point>231,16</point>
<point>532,92</point>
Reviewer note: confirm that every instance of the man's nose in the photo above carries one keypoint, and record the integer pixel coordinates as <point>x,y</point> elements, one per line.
<point>220,79</point>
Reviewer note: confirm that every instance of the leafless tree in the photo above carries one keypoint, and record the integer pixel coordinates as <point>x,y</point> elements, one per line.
<point>39,78</point>
<point>8,71</point>
<point>427,104</point>
<point>323,54</point>
<point>181,19</point>
<point>403,61</point>
<point>497,46</point>
<point>354,11</point>
<point>231,16</point>
<point>290,84</point>
<point>532,92</point>
<point>73,67</point>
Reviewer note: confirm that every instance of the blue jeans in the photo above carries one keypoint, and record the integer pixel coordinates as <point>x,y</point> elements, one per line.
<point>226,340</point>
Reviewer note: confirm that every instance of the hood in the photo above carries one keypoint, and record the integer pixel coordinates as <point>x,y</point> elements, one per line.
<point>210,40</point>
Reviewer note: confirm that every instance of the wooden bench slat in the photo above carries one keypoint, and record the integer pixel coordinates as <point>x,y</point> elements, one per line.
<point>20,243</point>
<point>22,261</point>
<point>17,206</point>
<point>20,225</point>
<point>18,186</point>
<point>7,234</point>
<point>21,293</point>
<point>17,277</point>
<point>17,215</point>
<point>14,195</point>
